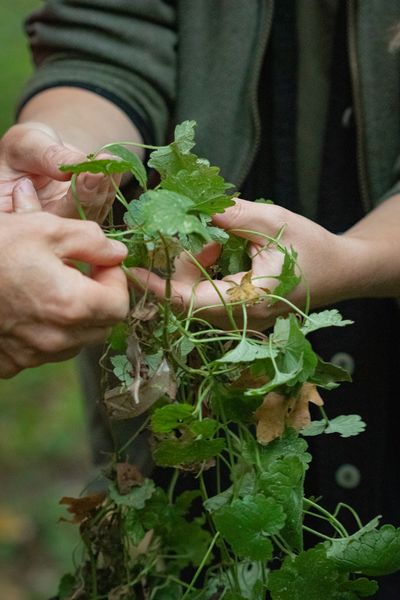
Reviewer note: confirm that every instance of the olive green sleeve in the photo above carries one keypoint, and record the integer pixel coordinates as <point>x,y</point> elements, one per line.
<point>124,50</point>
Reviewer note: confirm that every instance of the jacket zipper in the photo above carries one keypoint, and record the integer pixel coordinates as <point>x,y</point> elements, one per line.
<point>254,94</point>
<point>358,106</point>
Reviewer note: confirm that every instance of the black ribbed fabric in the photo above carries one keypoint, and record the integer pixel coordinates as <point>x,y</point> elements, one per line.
<point>339,204</point>
<point>273,174</point>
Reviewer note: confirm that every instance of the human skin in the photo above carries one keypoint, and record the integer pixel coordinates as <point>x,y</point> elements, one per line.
<point>363,262</point>
<point>49,310</point>
<point>50,133</point>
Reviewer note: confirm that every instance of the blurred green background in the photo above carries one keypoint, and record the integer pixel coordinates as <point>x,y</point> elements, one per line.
<point>43,448</point>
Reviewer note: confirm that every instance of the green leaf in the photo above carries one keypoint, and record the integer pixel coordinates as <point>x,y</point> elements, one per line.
<point>327,374</point>
<point>362,586</point>
<point>168,160</point>
<point>314,428</point>
<point>205,428</point>
<point>137,496</point>
<point>346,425</point>
<point>136,166</point>
<point>217,234</point>
<point>164,212</point>
<point>122,368</point>
<point>326,318</point>
<point>248,351</point>
<point>173,453</point>
<point>107,166</point>
<point>234,257</point>
<point>290,444</point>
<point>133,528</point>
<point>308,576</point>
<point>170,417</point>
<point>284,482</point>
<point>247,524</point>
<point>67,587</point>
<point>117,337</point>
<point>184,501</point>
<point>232,405</point>
<point>373,552</point>
<point>218,501</point>
<point>288,279</point>
<point>280,378</point>
<point>296,350</point>
<point>204,186</point>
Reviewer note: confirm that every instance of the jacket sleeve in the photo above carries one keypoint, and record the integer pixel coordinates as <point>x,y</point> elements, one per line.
<point>124,50</point>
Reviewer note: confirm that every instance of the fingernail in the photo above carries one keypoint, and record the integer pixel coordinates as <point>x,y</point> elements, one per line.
<point>26,186</point>
<point>119,247</point>
<point>91,182</point>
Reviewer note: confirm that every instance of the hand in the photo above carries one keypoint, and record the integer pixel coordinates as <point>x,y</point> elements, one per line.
<point>49,310</point>
<point>35,150</point>
<point>325,261</point>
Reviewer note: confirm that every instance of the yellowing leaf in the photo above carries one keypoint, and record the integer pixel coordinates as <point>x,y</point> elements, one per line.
<point>245,291</point>
<point>83,508</point>
<point>128,475</point>
<point>278,412</point>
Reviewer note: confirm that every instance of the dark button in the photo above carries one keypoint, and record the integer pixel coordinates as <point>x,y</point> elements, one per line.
<point>348,477</point>
<point>344,360</point>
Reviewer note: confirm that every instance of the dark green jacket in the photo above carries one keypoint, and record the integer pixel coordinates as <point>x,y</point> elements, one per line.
<point>167,61</point>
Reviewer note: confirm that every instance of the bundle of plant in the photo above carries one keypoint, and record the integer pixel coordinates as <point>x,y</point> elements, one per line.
<point>226,410</point>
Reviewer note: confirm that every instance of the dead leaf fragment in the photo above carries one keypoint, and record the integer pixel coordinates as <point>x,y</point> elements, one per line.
<point>278,412</point>
<point>245,291</point>
<point>144,311</point>
<point>82,508</point>
<point>128,476</point>
<point>128,402</point>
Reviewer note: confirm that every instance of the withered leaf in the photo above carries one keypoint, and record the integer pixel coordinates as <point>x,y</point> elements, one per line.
<point>83,508</point>
<point>299,415</point>
<point>122,592</point>
<point>278,412</point>
<point>144,311</point>
<point>245,291</point>
<point>126,403</point>
<point>128,475</point>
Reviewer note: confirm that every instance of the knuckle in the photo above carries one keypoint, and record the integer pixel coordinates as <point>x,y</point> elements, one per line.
<point>236,215</point>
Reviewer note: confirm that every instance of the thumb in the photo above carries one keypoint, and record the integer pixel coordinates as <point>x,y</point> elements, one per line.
<point>249,217</point>
<point>32,150</point>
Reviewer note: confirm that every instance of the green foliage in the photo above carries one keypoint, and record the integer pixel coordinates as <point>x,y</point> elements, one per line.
<point>247,525</point>
<point>201,392</point>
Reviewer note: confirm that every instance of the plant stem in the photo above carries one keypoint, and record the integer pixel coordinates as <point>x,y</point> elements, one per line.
<point>201,566</point>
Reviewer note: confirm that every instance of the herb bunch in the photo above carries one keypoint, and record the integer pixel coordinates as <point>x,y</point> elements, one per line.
<point>226,411</point>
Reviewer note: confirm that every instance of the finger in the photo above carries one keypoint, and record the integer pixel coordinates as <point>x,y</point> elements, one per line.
<point>186,270</point>
<point>267,263</point>
<point>111,286</point>
<point>24,197</point>
<point>36,151</point>
<point>252,217</point>
<point>85,241</point>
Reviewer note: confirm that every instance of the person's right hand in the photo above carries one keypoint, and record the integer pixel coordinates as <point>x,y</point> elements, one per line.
<point>36,151</point>
<point>49,310</point>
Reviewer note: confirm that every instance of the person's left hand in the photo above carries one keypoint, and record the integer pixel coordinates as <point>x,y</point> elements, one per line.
<point>324,260</point>
<point>36,151</point>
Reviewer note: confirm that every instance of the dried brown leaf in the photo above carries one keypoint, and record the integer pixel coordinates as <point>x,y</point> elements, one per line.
<point>245,291</point>
<point>126,403</point>
<point>144,311</point>
<point>278,412</point>
<point>271,416</point>
<point>83,508</point>
<point>128,476</point>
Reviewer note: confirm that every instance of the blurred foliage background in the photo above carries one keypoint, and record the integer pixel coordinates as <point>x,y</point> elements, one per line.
<point>43,447</point>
